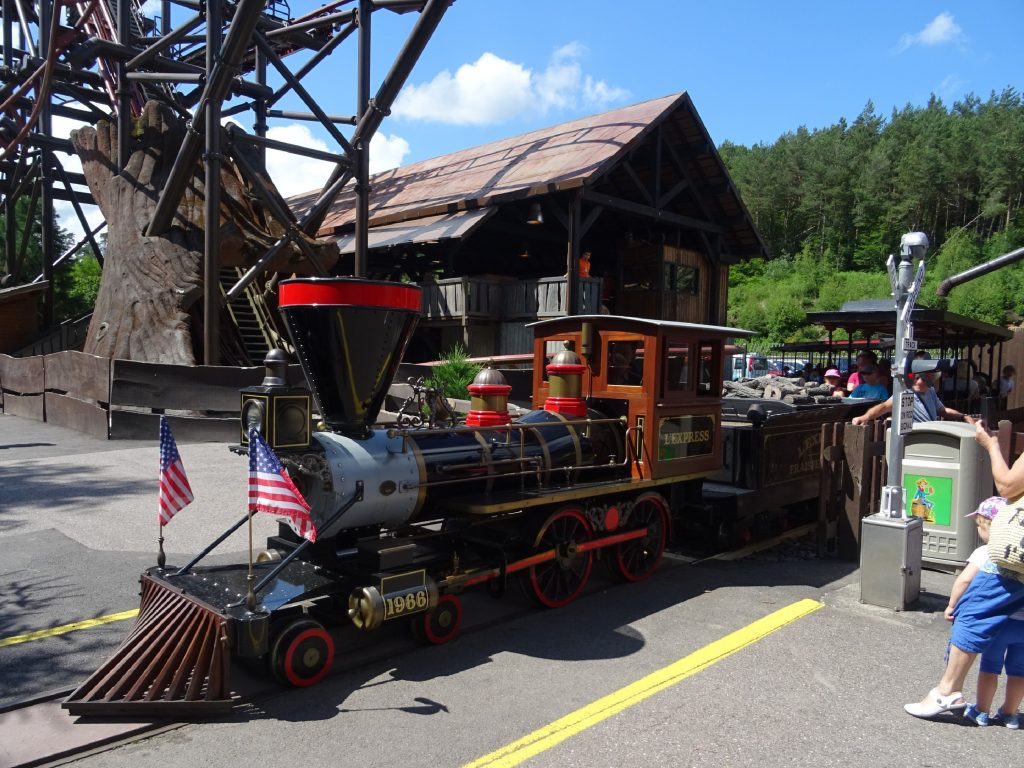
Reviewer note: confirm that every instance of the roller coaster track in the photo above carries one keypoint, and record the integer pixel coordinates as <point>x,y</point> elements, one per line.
<point>87,60</point>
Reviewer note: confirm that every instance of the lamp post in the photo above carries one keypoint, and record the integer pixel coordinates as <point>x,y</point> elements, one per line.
<point>905,287</point>
<point>890,555</point>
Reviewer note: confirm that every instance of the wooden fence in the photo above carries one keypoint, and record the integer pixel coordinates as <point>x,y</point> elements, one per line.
<point>124,399</point>
<point>852,476</point>
<point>853,472</point>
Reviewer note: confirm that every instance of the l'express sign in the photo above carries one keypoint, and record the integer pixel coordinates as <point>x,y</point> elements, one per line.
<point>681,437</point>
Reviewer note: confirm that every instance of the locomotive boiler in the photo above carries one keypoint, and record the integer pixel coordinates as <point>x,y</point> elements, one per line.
<point>626,424</point>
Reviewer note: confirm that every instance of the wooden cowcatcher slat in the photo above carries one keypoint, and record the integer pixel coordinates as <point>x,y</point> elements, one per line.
<point>174,662</point>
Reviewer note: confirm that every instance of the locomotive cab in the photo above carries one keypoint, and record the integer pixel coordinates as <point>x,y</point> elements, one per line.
<point>664,378</point>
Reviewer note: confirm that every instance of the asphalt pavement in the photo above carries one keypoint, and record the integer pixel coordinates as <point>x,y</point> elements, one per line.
<point>78,524</point>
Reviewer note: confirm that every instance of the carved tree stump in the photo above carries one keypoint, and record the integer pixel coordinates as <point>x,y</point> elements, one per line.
<point>148,307</point>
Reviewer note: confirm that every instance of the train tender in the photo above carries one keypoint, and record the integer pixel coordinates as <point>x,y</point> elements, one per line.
<point>627,423</point>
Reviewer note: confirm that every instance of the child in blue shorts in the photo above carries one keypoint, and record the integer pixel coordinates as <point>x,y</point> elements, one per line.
<point>1006,649</point>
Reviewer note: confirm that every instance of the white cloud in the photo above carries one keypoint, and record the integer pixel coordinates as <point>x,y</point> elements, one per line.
<point>599,93</point>
<point>951,86</point>
<point>492,90</point>
<point>295,174</point>
<point>387,152</point>
<point>942,29</point>
<point>67,218</point>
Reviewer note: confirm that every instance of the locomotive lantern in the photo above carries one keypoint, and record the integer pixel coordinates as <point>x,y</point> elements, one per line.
<point>280,413</point>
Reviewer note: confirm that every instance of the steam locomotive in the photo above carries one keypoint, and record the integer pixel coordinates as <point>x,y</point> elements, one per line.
<point>627,423</point>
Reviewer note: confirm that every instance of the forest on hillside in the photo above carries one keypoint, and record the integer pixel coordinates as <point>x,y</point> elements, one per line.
<point>831,205</point>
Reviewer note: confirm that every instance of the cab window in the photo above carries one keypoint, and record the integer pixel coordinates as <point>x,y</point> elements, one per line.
<point>678,374</point>
<point>625,363</point>
<point>709,383</point>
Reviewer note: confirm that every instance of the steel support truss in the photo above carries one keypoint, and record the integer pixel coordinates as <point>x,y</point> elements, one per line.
<point>85,60</point>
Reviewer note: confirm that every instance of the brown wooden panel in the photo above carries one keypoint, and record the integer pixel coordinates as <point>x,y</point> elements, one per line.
<point>27,406</point>
<point>19,316</point>
<point>132,425</point>
<point>180,387</point>
<point>64,411</point>
<point>21,375</point>
<point>82,376</point>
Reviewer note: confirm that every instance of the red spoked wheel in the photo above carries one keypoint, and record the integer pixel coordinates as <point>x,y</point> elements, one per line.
<point>440,625</point>
<point>637,559</point>
<point>302,653</point>
<point>559,581</point>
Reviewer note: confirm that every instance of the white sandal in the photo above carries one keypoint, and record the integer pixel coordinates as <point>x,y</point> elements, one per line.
<point>935,704</point>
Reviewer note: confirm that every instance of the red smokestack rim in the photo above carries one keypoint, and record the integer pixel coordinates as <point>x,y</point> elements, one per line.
<point>349,293</point>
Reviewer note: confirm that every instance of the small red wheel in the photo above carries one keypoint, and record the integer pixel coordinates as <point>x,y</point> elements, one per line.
<point>302,654</point>
<point>636,560</point>
<point>441,624</point>
<point>559,581</point>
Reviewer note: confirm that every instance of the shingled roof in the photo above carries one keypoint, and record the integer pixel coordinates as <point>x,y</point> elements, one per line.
<point>578,154</point>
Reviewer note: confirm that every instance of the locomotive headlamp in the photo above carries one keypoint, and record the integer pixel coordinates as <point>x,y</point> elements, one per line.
<point>254,414</point>
<point>281,413</point>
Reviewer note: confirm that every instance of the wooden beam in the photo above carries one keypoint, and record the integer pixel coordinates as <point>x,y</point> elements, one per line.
<point>686,175</point>
<point>591,218</point>
<point>652,213</point>
<point>673,193</point>
<point>628,168</point>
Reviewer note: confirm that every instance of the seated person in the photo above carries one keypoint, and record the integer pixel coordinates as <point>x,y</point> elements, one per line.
<point>835,379</point>
<point>961,382</point>
<point>871,387</point>
<point>624,365</point>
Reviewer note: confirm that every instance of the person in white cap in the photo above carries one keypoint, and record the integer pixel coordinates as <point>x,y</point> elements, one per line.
<point>927,406</point>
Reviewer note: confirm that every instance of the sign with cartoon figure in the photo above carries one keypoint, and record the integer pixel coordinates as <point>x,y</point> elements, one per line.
<point>930,497</point>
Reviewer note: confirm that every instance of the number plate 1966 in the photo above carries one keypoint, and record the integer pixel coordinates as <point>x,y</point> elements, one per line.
<point>404,594</point>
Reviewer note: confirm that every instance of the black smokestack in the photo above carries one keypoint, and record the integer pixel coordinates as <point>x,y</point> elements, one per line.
<point>350,335</point>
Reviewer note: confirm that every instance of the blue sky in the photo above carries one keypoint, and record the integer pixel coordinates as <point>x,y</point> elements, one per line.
<point>755,70</point>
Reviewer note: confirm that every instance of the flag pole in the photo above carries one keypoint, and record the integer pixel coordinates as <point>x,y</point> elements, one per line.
<point>250,597</point>
<point>161,558</point>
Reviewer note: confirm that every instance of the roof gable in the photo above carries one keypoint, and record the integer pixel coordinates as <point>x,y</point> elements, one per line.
<point>561,157</point>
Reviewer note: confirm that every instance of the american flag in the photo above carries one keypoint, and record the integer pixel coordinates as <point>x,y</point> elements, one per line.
<point>272,490</point>
<point>175,492</point>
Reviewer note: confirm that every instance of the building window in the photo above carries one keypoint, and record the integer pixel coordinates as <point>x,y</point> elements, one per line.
<point>681,278</point>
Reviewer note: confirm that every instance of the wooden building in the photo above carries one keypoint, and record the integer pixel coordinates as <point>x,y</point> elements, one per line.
<point>628,212</point>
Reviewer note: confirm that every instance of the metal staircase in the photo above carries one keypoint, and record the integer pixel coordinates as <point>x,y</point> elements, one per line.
<point>252,317</point>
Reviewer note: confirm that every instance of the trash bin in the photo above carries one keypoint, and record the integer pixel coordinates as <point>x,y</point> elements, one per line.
<point>946,475</point>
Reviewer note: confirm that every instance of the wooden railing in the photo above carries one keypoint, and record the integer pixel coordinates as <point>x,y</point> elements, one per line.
<point>501,298</point>
<point>125,398</point>
<point>69,336</point>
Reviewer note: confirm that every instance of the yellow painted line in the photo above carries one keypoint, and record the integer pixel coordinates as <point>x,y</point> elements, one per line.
<point>65,628</point>
<point>555,733</point>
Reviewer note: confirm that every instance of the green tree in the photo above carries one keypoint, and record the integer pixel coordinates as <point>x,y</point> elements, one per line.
<point>832,203</point>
